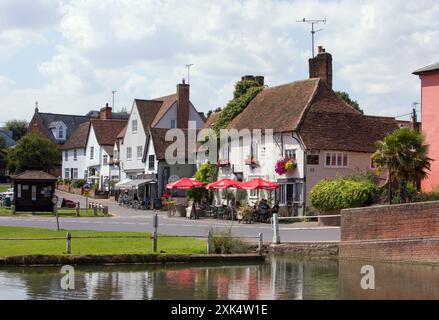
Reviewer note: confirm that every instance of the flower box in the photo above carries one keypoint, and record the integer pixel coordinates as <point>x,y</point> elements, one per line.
<point>285,166</point>
<point>251,162</point>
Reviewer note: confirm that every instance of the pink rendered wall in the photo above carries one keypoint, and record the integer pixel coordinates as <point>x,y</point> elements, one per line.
<point>430,125</point>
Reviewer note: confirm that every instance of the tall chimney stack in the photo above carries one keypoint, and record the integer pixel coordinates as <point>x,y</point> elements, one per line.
<point>182,105</point>
<point>105,113</point>
<point>321,66</point>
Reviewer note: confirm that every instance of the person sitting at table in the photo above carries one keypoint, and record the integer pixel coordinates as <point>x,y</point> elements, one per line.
<point>275,208</point>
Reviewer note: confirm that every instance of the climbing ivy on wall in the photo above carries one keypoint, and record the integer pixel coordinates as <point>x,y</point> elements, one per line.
<point>245,91</point>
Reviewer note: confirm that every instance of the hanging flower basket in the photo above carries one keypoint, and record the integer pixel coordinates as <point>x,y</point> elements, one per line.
<point>285,166</point>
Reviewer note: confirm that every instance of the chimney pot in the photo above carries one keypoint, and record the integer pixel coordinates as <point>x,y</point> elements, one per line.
<point>183,81</point>
<point>105,113</point>
<point>260,80</point>
<point>321,66</point>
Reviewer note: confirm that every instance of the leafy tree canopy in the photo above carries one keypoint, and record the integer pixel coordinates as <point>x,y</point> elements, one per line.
<point>346,98</point>
<point>18,128</point>
<point>33,152</point>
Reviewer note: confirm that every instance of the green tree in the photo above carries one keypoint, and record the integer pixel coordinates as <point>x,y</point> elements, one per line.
<point>346,98</point>
<point>404,155</point>
<point>33,152</point>
<point>206,173</point>
<point>18,128</point>
<point>2,153</point>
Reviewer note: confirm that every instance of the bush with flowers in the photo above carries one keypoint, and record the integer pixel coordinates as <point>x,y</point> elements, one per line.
<point>285,165</point>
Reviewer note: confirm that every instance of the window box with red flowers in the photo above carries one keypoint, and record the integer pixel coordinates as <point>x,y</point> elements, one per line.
<point>285,166</point>
<point>223,163</point>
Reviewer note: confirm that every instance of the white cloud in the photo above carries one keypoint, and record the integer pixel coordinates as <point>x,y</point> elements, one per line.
<point>140,48</point>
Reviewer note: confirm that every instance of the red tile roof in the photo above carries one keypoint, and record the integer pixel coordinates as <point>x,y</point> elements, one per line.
<point>79,137</point>
<point>344,131</point>
<point>160,144</point>
<point>107,130</point>
<point>211,120</point>
<point>167,103</point>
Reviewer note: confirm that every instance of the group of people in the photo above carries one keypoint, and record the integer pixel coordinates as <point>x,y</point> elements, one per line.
<point>262,210</point>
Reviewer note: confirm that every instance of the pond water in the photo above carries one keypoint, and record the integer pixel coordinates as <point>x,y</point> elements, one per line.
<point>280,277</point>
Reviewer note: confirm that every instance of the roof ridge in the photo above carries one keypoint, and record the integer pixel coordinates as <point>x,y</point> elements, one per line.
<point>63,114</point>
<point>291,83</point>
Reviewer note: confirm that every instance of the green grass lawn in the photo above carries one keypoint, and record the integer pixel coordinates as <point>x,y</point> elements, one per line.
<point>4,187</point>
<point>70,213</point>
<point>91,246</point>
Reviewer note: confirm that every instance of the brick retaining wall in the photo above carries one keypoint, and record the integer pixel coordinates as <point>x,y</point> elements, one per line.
<point>406,232</point>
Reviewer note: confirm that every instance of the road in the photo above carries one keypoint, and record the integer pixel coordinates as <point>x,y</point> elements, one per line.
<point>141,220</point>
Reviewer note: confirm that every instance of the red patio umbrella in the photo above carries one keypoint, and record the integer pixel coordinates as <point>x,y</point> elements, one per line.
<point>184,183</point>
<point>223,184</point>
<point>258,183</point>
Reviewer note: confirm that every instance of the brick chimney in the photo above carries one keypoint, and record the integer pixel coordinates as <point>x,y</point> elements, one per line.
<point>105,113</point>
<point>321,66</point>
<point>182,105</point>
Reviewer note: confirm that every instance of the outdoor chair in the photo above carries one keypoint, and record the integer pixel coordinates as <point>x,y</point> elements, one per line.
<point>221,213</point>
<point>209,211</point>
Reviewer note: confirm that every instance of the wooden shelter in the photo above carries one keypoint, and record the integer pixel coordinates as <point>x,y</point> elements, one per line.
<point>33,191</point>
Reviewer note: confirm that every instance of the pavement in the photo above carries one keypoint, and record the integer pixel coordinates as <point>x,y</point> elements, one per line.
<point>125,219</point>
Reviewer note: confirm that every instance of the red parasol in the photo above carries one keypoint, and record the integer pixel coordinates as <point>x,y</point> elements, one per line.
<point>223,184</point>
<point>258,183</point>
<point>184,183</point>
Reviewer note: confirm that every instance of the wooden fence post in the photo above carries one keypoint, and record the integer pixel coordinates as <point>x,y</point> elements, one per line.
<point>156,225</point>
<point>95,210</point>
<point>260,243</point>
<point>69,243</point>
<point>78,208</point>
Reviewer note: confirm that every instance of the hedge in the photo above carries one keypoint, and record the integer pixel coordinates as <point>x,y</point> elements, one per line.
<point>341,193</point>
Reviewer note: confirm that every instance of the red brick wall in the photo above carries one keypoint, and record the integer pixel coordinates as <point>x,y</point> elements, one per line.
<point>408,232</point>
<point>182,105</point>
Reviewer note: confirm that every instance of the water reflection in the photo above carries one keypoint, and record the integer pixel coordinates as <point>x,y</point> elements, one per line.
<point>280,277</point>
<point>277,278</point>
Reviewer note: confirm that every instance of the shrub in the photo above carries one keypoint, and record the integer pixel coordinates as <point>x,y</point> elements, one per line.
<point>341,194</point>
<point>78,183</point>
<point>224,243</point>
<point>67,181</point>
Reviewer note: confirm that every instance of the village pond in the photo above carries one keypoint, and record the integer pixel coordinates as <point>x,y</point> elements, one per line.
<point>280,277</point>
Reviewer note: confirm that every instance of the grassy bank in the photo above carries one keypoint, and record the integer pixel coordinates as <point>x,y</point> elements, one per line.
<point>91,246</point>
<point>71,213</point>
<point>4,187</point>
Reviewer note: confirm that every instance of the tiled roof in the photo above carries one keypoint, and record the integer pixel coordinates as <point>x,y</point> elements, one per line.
<point>107,130</point>
<point>281,108</point>
<point>148,109</point>
<point>34,175</point>
<point>429,68</point>
<point>160,144</point>
<point>167,102</point>
<point>122,132</point>
<point>79,137</point>
<point>344,131</point>
<point>71,121</point>
<point>108,149</point>
<point>211,120</point>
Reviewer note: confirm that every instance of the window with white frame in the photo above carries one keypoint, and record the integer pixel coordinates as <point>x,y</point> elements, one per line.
<point>289,193</point>
<point>60,133</point>
<point>67,173</point>
<point>254,149</point>
<point>75,154</point>
<point>66,155</point>
<point>139,152</point>
<point>134,125</point>
<point>129,153</point>
<point>92,152</point>
<point>336,160</point>
<point>105,159</point>
<point>290,153</point>
<point>151,160</point>
<point>75,173</point>
<point>115,154</point>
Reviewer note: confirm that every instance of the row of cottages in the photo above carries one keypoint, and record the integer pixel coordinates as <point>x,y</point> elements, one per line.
<point>88,153</point>
<point>139,150</point>
<point>60,127</point>
<point>326,136</point>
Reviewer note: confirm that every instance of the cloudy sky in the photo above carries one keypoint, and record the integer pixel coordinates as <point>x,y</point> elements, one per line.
<point>70,55</point>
